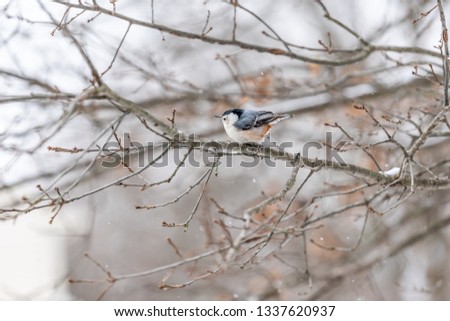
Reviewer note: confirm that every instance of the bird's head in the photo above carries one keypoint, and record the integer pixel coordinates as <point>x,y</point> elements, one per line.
<point>230,116</point>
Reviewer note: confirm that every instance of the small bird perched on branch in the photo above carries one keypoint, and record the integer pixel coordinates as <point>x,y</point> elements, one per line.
<point>246,125</point>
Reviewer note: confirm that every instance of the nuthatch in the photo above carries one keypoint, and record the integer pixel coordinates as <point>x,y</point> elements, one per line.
<point>246,125</point>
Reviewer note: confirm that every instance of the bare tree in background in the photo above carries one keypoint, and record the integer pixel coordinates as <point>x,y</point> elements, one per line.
<point>112,104</point>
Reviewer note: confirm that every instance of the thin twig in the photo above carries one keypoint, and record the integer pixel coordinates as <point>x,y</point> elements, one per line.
<point>260,207</point>
<point>81,50</point>
<point>424,14</point>
<point>204,31</point>
<point>427,132</point>
<point>117,50</point>
<point>445,57</point>
<point>280,217</point>
<point>197,203</point>
<point>172,265</point>
<point>176,199</point>
<point>153,11</point>
<point>177,251</point>
<point>340,24</point>
<point>356,267</point>
<point>365,52</point>
<point>357,144</point>
<point>236,3</point>
<point>344,249</point>
<point>165,286</point>
<point>117,182</point>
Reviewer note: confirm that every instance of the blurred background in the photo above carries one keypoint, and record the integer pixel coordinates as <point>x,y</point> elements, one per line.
<point>72,229</point>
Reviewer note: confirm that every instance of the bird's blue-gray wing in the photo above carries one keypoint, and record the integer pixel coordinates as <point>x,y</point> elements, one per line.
<point>247,119</point>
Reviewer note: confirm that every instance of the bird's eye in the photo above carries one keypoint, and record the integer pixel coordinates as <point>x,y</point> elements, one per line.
<point>224,117</point>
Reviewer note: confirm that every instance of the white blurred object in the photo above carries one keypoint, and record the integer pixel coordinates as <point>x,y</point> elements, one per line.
<point>392,172</point>
<point>36,255</point>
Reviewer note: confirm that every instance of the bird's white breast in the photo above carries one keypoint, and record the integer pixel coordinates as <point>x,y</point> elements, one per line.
<point>234,133</point>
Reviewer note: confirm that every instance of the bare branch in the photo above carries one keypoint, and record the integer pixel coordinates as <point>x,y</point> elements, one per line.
<point>365,52</point>
<point>117,50</point>
<point>446,53</point>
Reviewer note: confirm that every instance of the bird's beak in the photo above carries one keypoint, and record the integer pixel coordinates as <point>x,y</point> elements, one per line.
<point>218,116</point>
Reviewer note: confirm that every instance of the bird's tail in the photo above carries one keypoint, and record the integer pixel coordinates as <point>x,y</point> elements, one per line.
<point>284,116</point>
<point>279,117</point>
<point>270,118</point>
